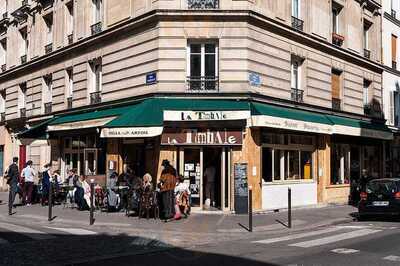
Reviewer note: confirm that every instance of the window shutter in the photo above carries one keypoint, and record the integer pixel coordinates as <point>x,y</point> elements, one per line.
<point>335,86</point>
<point>391,108</point>
<point>394,48</point>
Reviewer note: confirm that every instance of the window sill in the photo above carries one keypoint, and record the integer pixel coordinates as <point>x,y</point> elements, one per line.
<point>338,186</point>
<point>289,182</point>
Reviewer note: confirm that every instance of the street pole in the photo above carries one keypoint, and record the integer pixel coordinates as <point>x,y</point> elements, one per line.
<point>250,209</point>
<point>50,201</point>
<point>91,202</point>
<point>289,207</point>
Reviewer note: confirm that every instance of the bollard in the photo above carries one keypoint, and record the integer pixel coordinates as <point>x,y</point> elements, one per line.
<point>250,209</point>
<point>50,201</point>
<point>289,207</point>
<point>91,201</point>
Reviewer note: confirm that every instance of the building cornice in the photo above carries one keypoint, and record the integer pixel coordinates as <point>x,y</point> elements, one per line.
<point>155,16</point>
<point>389,17</point>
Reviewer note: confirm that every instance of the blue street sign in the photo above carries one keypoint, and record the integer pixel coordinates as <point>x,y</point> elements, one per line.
<point>151,78</point>
<point>254,79</point>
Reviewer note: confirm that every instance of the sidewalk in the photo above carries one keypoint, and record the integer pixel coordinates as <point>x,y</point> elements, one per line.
<point>196,223</point>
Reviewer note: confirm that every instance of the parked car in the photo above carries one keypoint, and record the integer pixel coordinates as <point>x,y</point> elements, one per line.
<point>381,198</point>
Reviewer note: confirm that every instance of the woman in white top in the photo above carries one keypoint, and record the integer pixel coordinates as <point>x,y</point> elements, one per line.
<point>28,173</point>
<point>182,195</point>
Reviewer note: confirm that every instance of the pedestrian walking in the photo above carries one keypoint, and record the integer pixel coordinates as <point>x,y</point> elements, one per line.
<point>12,181</point>
<point>28,173</point>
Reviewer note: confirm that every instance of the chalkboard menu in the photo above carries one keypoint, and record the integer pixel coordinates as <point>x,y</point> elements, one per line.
<point>241,188</point>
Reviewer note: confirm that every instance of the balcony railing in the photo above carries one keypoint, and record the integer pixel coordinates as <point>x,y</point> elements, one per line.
<point>203,4</point>
<point>336,104</point>
<point>69,102</point>
<point>96,28</point>
<point>2,116</point>
<point>70,38</point>
<point>22,112</point>
<point>202,84</point>
<point>393,14</point>
<point>24,2</point>
<point>297,24</point>
<point>297,95</point>
<point>3,67</point>
<point>23,59</point>
<point>48,48</point>
<point>394,65</point>
<point>337,39</point>
<point>48,108</point>
<point>95,97</point>
<point>5,15</point>
<point>367,53</point>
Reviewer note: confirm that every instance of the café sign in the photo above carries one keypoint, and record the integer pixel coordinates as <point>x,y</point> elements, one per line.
<point>205,115</point>
<point>131,132</point>
<point>197,137</point>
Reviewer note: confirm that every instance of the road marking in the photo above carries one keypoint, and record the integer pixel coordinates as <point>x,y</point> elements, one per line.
<point>31,233</point>
<point>335,238</point>
<point>345,250</point>
<point>392,258</point>
<point>297,236</point>
<point>74,231</point>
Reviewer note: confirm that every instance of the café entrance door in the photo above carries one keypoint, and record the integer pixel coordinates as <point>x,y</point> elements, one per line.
<point>206,170</point>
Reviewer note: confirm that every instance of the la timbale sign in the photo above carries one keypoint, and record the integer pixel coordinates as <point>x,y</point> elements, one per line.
<point>208,137</point>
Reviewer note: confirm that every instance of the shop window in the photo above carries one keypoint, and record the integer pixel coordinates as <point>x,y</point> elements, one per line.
<point>340,164</point>
<point>267,164</point>
<point>277,162</point>
<point>306,165</point>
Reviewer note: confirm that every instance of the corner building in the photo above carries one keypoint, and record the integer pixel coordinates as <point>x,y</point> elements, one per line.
<point>273,94</point>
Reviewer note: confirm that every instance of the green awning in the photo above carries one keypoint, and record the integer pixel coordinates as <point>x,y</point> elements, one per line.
<point>267,115</point>
<point>37,131</point>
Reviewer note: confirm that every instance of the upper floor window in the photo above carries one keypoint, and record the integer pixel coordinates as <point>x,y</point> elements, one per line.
<point>47,93</point>
<point>2,101</point>
<point>202,66</point>
<point>367,26</point>
<point>48,19</point>
<point>297,23</point>
<point>3,54</point>
<point>336,89</point>
<point>337,38</point>
<point>69,86</point>
<point>203,4</point>
<point>296,8</point>
<point>394,105</point>
<point>394,51</point>
<point>95,80</point>
<point>366,96</point>
<point>97,7</point>
<point>24,45</point>
<point>296,73</point>
<point>70,21</point>
<point>22,96</point>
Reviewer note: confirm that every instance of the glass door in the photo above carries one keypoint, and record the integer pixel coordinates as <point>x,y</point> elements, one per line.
<point>191,169</point>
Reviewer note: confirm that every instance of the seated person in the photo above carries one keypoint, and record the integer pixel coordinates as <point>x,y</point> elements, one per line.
<point>82,194</point>
<point>182,194</point>
<point>70,181</point>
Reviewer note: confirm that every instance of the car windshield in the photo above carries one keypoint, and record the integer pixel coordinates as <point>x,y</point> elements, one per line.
<point>382,187</point>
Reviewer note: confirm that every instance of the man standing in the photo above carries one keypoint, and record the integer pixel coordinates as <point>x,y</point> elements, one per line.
<point>167,188</point>
<point>13,174</point>
<point>28,173</point>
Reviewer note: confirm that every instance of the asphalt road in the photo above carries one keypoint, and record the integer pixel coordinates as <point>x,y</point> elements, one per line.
<point>24,242</point>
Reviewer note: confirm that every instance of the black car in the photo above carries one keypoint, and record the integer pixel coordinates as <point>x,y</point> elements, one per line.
<point>382,197</point>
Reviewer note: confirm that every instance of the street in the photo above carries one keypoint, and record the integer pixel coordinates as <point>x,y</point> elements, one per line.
<point>27,238</point>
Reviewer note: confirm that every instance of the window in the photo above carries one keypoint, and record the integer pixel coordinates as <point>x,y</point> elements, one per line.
<point>48,19</point>
<point>287,157</point>
<point>366,93</point>
<point>47,94</point>
<point>95,81</point>
<point>69,82</point>
<point>340,164</point>
<point>70,21</point>
<point>23,45</point>
<point>394,106</point>
<point>297,92</point>
<point>22,96</point>
<point>296,8</point>
<point>336,89</point>
<point>97,11</point>
<point>202,66</point>
<point>3,53</point>
<point>367,26</point>
<point>394,52</point>
<point>1,160</point>
<point>335,20</point>
<point>2,102</point>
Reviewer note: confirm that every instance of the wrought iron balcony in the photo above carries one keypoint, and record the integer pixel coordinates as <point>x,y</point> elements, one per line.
<point>2,116</point>
<point>5,15</point>
<point>297,24</point>
<point>203,4</point>
<point>95,97</point>
<point>394,65</point>
<point>96,28</point>
<point>71,38</point>
<point>367,53</point>
<point>48,108</point>
<point>69,103</point>
<point>336,104</point>
<point>24,2</point>
<point>202,84</point>
<point>393,14</point>
<point>22,112</point>
<point>297,95</point>
<point>48,48</point>
<point>337,39</point>
<point>3,67</point>
<point>23,59</point>
<point>4,19</point>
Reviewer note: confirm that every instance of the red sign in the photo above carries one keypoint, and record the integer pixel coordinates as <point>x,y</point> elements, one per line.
<point>197,137</point>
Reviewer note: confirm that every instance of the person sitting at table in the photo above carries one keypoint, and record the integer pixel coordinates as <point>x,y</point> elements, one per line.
<point>82,194</point>
<point>71,181</point>
<point>182,194</point>
<point>147,185</point>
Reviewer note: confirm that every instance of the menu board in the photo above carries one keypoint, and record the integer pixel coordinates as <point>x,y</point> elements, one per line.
<point>192,175</point>
<point>240,188</point>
